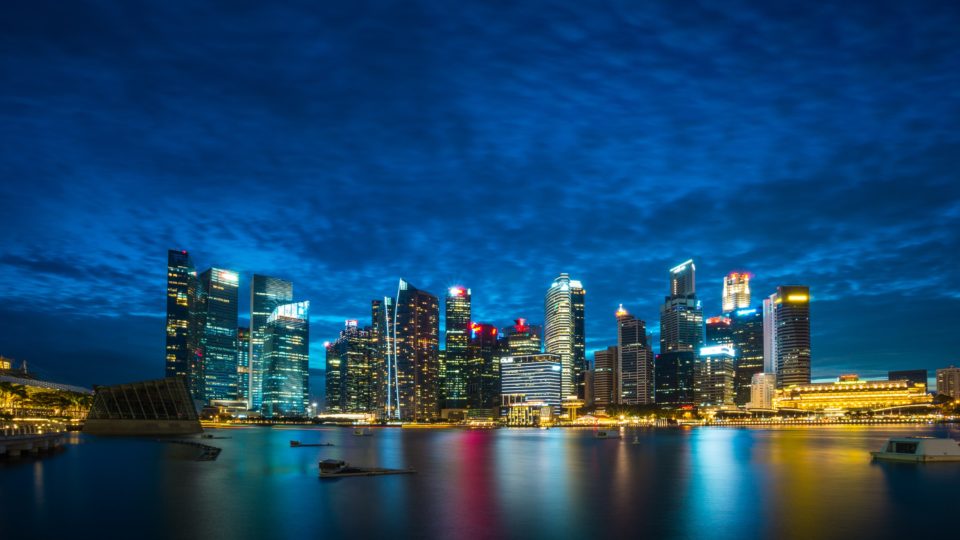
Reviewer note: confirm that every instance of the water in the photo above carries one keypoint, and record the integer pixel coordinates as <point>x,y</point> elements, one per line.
<point>508,483</point>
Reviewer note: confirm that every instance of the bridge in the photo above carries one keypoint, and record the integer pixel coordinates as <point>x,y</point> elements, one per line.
<point>30,437</point>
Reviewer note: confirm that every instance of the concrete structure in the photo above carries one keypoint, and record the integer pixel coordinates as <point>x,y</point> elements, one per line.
<point>763,388</point>
<point>158,407</point>
<point>21,437</point>
<point>915,376</point>
<point>948,382</point>
<point>849,393</point>
<point>535,377</point>
<point>736,291</point>
<point>681,316</point>
<point>713,376</point>
<point>564,331</point>
<point>606,378</point>
<point>634,361</point>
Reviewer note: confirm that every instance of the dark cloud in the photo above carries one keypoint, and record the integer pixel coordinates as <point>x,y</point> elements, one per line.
<point>344,146</point>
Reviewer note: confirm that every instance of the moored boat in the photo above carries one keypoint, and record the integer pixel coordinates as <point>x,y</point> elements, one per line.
<point>918,450</point>
<point>604,434</point>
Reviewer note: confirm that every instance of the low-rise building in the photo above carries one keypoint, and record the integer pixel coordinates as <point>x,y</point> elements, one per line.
<point>849,393</point>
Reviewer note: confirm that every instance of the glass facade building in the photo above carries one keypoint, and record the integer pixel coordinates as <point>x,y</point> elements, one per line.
<point>415,364</point>
<point>355,350</point>
<point>286,359</point>
<point>674,378</point>
<point>214,369</point>
<point>713,377</point>
<point>243,365</point>
<point>792,335</point>
<point>681,317</point>
<point>483,367</point>
<point>635,361</point>
<point>523,338</point>
<point>457,348</point>
<point>564,331</point>
<point>747,327</point>
<point>532,378</point>
<point>181,297</point>
<point>736,291</point>
<point>266,293</point>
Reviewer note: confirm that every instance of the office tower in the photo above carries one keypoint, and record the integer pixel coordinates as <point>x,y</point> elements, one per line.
<point>913,376</point>
<point>214,373</point>
<point>748,333</point>
<point>532,378</point>
<point>415,363</point>
<point>674,378</point>
<point>634,362</point>
<point>381,324</point>
<point>457,335</point>
<point>769,335</point>
<point>792,321</point>
<point>333,397</point>
<point>948,382</point>
<point>564,331</point>
<point>605,379</point>
<point>763,387</point>
<point>355,350</point>
<point>736,291</point>
<point>719,331</point>
<point>713,378</point>
<point>681,318</point>
<point>483,367</point>
<point>588,399</point>
<point>523,338</point>
<point>243,365</point>
<point>266,293</point>
<point>181,296</point>
<point>286,361</point>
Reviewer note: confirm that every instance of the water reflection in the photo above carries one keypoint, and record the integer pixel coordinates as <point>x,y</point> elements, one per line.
<point>693,483</point>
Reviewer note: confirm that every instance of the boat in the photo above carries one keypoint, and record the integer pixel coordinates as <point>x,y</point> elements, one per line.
<point>298,444</point>
<point>636,439</point>
<point>360,432</point>
<point>603,434</point>
<point>336,468</point>
<point>918,450</point>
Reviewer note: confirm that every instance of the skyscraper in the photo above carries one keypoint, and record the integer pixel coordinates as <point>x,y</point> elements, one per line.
<point>792,321</point>
<point>714,374</point>
<point>564,331</point>
<point>483,367</point>
<point>381,326</point>
<point>524,338</point>
<point>605,379</point>
<point>181,296</point>
<point>333,395</point>
<point>266,293</point>
<point>681,317</point>
<point>748,334</point>
<point>457,334</point>
<point>243,365</point>
<point>214,374</point>
<point>635,361</point>
<point>674,379</point>
<point>948,382</point>
<point>286,360</point>
<point>736,291</point>
<point>415,362</point>
<point>719,331</point>
<point>355,351</point>
<point>769,335</point>
<point>532,378</point>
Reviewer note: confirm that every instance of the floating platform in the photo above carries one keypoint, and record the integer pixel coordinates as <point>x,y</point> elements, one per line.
<point>335,468</point>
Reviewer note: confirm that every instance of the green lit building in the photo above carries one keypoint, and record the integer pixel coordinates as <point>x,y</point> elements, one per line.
<point>214,368</point>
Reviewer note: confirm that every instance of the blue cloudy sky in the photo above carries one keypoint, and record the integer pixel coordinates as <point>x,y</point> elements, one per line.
<point>491,144</point>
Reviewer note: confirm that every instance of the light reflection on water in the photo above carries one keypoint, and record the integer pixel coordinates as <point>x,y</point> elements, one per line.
<point>517,483</point>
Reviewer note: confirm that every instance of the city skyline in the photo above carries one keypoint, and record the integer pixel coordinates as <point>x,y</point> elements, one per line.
<point>421,145</point>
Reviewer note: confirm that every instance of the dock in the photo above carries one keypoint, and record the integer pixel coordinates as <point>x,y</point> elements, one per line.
<point>31,438</point>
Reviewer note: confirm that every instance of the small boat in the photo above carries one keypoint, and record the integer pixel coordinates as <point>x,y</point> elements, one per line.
<point>603,434</point>
<point>636,439</point>
<point>336,468</point>
<point>918,450</point>
<point>298,444</point>
<point>360,432</point>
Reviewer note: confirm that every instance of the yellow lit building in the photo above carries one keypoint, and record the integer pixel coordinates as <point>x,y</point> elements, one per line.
<point>850,393</point>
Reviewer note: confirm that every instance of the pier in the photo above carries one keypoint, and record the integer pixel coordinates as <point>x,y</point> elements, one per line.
<point>30,437</point>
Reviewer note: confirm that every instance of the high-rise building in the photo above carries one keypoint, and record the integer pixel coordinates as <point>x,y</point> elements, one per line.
<point>605,379</point>
<point>748,333</point>
<point>681,317</point>
<point>355,350</point>
<point>214,369</point>
<point>674,378</point>
<point>532,378</point>
<point>713,378</point>
<point>381,325</point>
<point>948,382</point>
<point>524,338</point>
<point>266,293</point>
<point>736,291</point>
<point>914,376</point>
<point>456,352</point>
<point>791,308</point>
<point>719,331</point>
<point>763,388</point>
<point>483,367</point>
<point>769,335</point>
<point>286,360</point>
<point>243,365</point>
<point>634,362</point>
<point>181,296</point>
<point>415,362</point>
<point>564,331</point>
<point>333,397</point>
